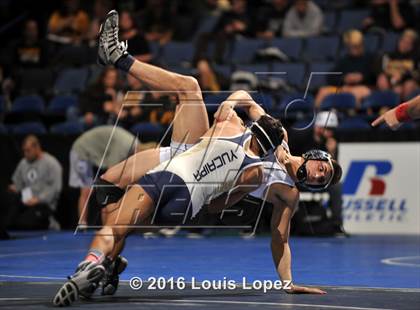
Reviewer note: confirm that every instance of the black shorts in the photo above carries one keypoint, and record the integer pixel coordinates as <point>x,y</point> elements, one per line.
<point>170,195</point>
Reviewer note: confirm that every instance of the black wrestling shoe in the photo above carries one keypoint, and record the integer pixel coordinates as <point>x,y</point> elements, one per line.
<point>110,48</point>
<point>112,275</point>
<point>82,283</point>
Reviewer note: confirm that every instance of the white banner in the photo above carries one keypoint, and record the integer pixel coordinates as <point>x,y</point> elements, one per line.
<point>381,187</point>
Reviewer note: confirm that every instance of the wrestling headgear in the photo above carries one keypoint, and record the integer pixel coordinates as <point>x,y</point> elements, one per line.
<point>268,132</point>
<point>302,172</point>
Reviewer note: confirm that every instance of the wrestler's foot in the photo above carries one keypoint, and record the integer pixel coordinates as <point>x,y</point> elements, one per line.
<point>110,48</point>
<point>82,283</point>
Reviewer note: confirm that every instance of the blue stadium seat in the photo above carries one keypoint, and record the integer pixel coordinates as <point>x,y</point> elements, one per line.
<point>351,19</point>
<point>342,101</point>
<point>319,72</point>
<point>175,53</point>
<point>322,48</point>
<point>257,69</point>
<point>60,104</point>
<point>71,80</point>
<point>389,43</point>
<point>295,73</point>
<point>29,128</point>
<point>244,50</point>
<point>353,123</point>
<point>292,47</point>
<point>147,131</point>
<point>378,99</point>
<point>31,103</point>
<point>67,128</point>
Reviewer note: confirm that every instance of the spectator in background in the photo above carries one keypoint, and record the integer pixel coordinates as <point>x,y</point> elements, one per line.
<point>408,87</point>
<point>357,64</point>
<point>234,21</point>
<point>270,19</point>
<point>137,44</point>
<point>97,149</point>
<point>69,24</point>
<point>390,15</point>
<point>231,23</point>
<point>160,107</point>
<point>357,68</point>
<point>157,20</point>
<point>36,188</point>
<point>324,138</point>
<point>404,60</point>
<point>100,10</point>
<point>134,111</point>
<point>100,103</point>
<point>30,51</point>
<point>211,7</point>
<point>304,19</point>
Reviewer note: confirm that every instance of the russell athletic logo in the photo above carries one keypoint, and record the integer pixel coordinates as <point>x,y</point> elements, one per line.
<point>370,202</point>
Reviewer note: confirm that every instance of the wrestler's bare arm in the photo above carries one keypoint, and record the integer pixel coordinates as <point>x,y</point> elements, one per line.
<point>240,99</point>
<point>285,200</point>
<point>394,118</point>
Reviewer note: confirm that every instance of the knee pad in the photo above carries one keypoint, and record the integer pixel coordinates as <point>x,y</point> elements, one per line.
<point>107,193</point>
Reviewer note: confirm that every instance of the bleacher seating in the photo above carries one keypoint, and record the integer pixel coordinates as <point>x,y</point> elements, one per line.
<point>60,104</point>
<point>71,80</point>
<point>341,101</point>
<point>67,128</point>
<point>322,48</point>
<point>29,128</point>
<point>24,104</point>
<point>73,69</point>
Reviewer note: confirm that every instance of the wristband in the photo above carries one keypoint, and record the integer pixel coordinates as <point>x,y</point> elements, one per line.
<point>401,113</point>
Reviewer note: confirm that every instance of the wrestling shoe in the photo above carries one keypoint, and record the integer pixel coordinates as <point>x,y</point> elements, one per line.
<point>112,275</point>
<point>82,283</point>
<point>110,49</point>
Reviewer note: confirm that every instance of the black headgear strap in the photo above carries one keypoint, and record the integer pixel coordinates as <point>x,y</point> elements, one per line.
<point>268,139</point>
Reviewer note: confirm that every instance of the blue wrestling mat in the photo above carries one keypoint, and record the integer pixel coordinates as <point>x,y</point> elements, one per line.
<point>361,272</point>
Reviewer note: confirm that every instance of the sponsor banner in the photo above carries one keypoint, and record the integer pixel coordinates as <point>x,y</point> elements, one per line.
<point>381,187</point>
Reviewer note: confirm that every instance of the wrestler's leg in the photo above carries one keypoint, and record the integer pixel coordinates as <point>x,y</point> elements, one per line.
<point>191,120</point>
<point>129,171</point>
<point>135,207</point>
